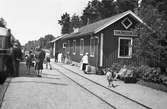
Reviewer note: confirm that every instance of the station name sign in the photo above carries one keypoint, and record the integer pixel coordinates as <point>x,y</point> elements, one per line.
<point>124,33</point>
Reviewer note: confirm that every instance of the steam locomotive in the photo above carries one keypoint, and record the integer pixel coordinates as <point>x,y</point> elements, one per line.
<point>6,66</point>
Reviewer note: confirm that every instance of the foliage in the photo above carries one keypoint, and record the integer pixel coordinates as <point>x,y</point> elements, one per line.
<point>144,72</point>
<point>116,67</point>
<point>65,23</point>
<point>163,78</point>
<point>124,5</point>
<point>152,43</point>
<point>48,38</point>
<point>94,11</point>
<point>75,21</point>
<point>107,6</point>
<point>149,73</point>
<point>43,42</point>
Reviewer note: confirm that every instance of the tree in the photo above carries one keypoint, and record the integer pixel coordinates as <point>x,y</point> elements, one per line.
<point>152,44</point>
<point>97,10</point>
<point>42,42</point>
<point>75,21</point>
<point>108,9</point>
<point>47,40</point>
<point>92,12</point>
<point>124,5</point>
<point>65,23</point>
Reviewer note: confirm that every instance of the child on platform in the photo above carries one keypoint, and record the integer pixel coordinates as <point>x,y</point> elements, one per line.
<point>110,77</point>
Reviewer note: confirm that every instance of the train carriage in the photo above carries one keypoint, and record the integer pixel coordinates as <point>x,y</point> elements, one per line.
<point>5,53</point>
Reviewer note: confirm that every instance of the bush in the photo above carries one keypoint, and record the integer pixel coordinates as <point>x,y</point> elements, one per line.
<point>149,73</point>
<point>116,67</point>
<point>163,79</point>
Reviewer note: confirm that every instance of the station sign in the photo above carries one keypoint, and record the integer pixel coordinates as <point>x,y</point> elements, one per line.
<point>124,33</point>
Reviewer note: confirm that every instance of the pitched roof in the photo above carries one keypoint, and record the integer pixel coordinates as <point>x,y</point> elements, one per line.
<point>100,25</point>
<point>59,37</point>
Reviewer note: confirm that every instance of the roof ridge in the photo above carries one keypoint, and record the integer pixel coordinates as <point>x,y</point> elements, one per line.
<point>106,18</point>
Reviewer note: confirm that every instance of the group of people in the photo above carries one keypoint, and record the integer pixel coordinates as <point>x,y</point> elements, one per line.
<point>36,59</point>
<point>111,75</point>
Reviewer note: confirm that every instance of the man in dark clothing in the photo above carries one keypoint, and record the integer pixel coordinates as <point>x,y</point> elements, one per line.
<point>17,55</point>
<point>39,57</point>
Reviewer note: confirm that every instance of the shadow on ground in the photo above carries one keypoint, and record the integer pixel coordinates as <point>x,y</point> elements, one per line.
<point>23,72</point>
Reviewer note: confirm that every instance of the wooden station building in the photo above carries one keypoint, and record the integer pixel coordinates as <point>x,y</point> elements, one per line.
<point>106,41</point>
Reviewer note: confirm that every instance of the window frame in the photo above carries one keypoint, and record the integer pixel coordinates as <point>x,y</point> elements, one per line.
<point>64,45</point>
<point>130,47</point>
<point>82,47</point>
<point>92,47</point>
<point>2,39</point>
<point>74,47</point>
<point>68,46</point>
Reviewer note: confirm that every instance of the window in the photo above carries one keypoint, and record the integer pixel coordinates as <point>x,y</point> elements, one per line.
<point>1,42</point>
<point>81,46</point>
<point>64,45</point>
<point>68,48</point>
<point>92,46</point>
<point>74,47</point>
<point>126,23</point>
<point>124,47</point>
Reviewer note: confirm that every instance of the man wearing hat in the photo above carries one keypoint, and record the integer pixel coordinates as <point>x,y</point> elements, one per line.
<point>17,55</point>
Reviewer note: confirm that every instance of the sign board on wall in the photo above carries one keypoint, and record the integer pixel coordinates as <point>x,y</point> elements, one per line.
<point>124,33</point>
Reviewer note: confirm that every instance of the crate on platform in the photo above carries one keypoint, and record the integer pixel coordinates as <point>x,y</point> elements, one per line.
<point>88,68</point>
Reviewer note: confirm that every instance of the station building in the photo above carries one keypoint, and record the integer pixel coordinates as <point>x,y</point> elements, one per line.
<point>106,41</point>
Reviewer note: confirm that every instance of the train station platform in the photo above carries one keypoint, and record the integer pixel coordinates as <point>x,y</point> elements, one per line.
<point>152,98</point>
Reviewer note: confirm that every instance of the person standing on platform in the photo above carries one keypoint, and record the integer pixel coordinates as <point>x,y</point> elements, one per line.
<point>39,58</point>
<point>60,57</point>
<point>17,55</point>
<point>84,62</point>
<point>29,61</point>
<point>48,62</point>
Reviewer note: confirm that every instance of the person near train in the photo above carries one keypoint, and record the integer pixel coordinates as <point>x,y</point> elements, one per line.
<point>17,56</point>
<point>29,61</point>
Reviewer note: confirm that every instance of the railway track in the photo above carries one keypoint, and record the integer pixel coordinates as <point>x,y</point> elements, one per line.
<point>141,106</point>
<point>119,94</point>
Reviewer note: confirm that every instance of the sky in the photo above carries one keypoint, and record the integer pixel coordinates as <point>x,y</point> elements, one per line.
<point>31,19</point>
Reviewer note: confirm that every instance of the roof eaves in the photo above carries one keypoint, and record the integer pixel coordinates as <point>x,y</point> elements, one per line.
<point>59,37</point>
<point>113,21</point>
<point>78,35</point>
